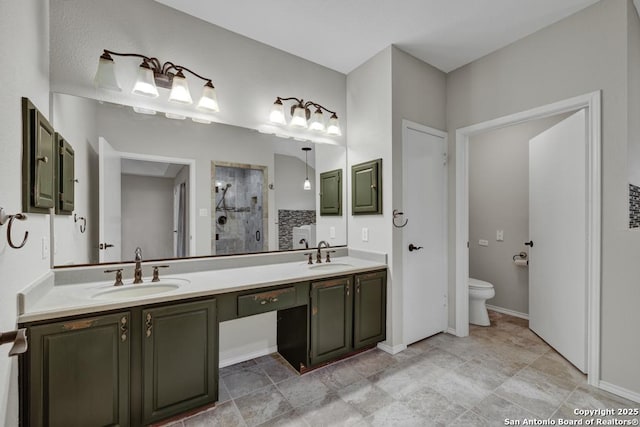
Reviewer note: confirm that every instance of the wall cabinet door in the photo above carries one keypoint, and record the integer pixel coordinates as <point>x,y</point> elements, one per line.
<point>370,309</point>
<point>65,176</point>
<point>331,319</point>
<point>79,372</point>
<point>366,181</point>
<point>180,358</point>
<point>331,192</point>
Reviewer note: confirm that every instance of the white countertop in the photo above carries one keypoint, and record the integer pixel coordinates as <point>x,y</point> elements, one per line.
<point>71,300</point>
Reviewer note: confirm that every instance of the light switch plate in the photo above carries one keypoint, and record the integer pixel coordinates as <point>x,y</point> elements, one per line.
<point>500,235</point>
<point>332,232</point>
<point>45,248</point>
<point>483,242</point>
<point>365,234</point>
<point>204,212</point>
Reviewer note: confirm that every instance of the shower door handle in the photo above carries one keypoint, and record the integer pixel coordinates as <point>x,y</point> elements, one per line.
<point>257,235</point>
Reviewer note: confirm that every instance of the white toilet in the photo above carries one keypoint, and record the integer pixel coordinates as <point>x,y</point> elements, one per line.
<point>479,292</point>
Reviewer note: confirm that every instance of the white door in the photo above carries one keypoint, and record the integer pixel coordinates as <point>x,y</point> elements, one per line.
<point>425,204</point>
<point>109,173</point>
<point>557,228</point>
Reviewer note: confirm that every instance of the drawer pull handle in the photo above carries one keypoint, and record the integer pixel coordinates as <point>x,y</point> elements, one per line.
<point>263,302</point>
<point>274,299</point>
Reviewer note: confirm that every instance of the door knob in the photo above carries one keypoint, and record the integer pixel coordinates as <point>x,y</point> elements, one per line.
<point>413,247</point>
<point>529,243</point>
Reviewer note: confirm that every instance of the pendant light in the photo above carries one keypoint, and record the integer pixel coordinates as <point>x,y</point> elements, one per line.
<point>307,183</point>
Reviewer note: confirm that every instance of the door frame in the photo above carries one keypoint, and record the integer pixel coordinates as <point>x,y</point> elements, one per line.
<point>592,103</point>
<point>192,188</point>
<point>406,125</point>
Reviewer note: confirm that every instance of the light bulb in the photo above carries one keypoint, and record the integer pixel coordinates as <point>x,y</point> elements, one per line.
<point>145,83</point>
<point>299,118</point>
<point>317,121</point>
<point>180,90</point>
<point>333,128</point>
<point>106,74</point>
<point>277,113</point>
<point>209,100</point>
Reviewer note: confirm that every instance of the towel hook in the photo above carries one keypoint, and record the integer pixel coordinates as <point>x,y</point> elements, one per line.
<point>83,226</point>
<point>3,219</point>
<point>396,214</point>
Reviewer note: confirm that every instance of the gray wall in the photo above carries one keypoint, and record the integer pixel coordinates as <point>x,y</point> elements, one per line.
<point>153,233</point>
<point>24,32</point>
<point>580,54</point>
<point>499,200</point>
<point>289,176</point>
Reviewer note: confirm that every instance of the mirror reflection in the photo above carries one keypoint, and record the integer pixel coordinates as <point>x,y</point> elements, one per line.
<point>176,188</point>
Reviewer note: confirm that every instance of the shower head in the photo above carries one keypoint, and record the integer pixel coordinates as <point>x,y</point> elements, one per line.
<point>228,184</point>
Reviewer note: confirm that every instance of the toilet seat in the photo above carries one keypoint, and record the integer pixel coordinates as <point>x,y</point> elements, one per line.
<point>480,284</point>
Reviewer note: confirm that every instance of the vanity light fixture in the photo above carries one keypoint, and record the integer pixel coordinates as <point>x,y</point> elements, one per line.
<point>152,74</point>
<point>307,183</point>
<point>302,118</point>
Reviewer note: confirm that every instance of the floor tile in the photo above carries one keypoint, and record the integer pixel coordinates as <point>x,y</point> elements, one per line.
<point>338,375</point>
<point>395,415</point>
<point>460,389</point>
<point>223,415</point>
<point>469,419</point>
<point>242,381</point>
<point>278,370</point>
<point>365,397</point>
<point>223,393</point>
<point>304,389</point>
<point>553,364</point>
<point>237,367</point>
<point>289,419</point>
<point>371,362</point>
<point>442,358</point>
<point>262,405</point>
<point>496,410</point>
<point>434,407</point>
<point>330,411</point>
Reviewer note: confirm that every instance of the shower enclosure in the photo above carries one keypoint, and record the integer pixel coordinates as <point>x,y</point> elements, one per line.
<point>239,208</point>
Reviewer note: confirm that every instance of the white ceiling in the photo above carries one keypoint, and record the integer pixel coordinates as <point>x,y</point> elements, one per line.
<point>342,34</point>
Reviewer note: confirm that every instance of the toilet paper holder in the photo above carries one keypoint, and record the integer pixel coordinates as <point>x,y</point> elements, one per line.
<point>19,340</point>
<point>521,255</point>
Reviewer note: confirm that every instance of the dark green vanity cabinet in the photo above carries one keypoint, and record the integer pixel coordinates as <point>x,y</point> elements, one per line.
<point>79,372</point>
<point>331,192</point>
<point>179,358</point>
<point>369,309</point>
<point>366,191</point>
<point>331,319</point>
<point>65,176</point>
<point>38,161</point>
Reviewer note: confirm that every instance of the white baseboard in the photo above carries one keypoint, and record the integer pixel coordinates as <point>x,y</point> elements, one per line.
<point>509,312</point>
<point>622,392</point>
<point>451,331</point>
<point>244,357</point>
<point>391,350</point>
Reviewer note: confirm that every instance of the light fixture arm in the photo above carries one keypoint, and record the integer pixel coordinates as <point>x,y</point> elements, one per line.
<point>320,107</point>
<point>305,105</point>
<point>170,65</point>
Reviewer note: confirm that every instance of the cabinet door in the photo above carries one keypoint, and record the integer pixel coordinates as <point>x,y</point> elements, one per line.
<point>79,372</point>
<point>370,309</point>
<point>366,180</point>
<point>331,319</point>
<point>65,175</point>
<point>179,358</point>
<point>331,192</point>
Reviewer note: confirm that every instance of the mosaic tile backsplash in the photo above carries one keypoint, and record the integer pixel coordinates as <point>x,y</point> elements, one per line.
<point>287,219</point>
<point>634,206</point>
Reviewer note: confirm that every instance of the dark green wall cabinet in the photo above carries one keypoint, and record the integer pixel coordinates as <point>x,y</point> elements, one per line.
<point>180,358</point>
<point>331,192</point>
<point>79,373</point>
<point>65,176</point>
<point>366,190</point>
<point>38,161</point>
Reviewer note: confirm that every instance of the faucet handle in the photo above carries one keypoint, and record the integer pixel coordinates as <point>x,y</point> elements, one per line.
<point>118,272</point>
<point>329,255</point>
<point>310,257</point>
<point>156,276</point>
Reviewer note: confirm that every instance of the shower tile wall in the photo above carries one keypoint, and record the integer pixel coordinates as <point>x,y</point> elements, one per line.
<point>634,206</point>
<point>287,219</point>
<point>243,231</point>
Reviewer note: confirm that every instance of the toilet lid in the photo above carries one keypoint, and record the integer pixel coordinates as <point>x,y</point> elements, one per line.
<point>475,283</point>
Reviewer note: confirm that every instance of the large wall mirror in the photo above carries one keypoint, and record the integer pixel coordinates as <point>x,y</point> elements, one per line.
<point>178,189</point>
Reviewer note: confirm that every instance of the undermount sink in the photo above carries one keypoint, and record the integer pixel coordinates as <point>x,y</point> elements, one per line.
<point>140,290</point>
<point>330,266</point>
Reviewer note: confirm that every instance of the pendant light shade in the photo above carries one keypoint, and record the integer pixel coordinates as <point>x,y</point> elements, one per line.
<point>180,90</point>
<point>277,113</point>
<point>299,118</point>
<point>145,83</point>
<point>317,121</point>
<point>307,183</point>
<point>106,74</point>
<point>333,127</point>
<point>209,100</point>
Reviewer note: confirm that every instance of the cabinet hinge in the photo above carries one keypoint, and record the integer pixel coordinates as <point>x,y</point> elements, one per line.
<point>444,159</point>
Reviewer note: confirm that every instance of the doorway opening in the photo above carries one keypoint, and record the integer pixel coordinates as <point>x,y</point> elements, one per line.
<point>591,103</point>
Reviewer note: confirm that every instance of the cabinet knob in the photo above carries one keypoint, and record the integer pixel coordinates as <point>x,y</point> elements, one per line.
<point>43,159</point>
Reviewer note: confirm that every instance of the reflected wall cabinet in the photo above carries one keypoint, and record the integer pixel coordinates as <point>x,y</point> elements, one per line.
<point>366,191</point>
<point>38,161</point>
<point>65,176</point>
<point>331,192</point>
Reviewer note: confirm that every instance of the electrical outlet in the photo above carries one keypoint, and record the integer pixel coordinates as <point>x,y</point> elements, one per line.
<point>365,234</point>
<point>204,212</point>
<point>45,248</point>
<point>332,232</point>
<point>500,235</point>
<point>483,242</point>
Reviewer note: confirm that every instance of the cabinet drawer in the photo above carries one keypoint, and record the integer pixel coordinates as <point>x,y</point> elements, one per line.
<point>262,302</point>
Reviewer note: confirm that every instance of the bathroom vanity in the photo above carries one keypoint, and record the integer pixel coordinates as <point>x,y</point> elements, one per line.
<point>143,359</point>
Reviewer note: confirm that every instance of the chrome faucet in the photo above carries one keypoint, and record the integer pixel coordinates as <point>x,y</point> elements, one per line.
<point>137,273</point>
<point>321,244</point>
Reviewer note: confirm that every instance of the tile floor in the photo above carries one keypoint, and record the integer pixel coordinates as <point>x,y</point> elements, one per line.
<point>498,372</point>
